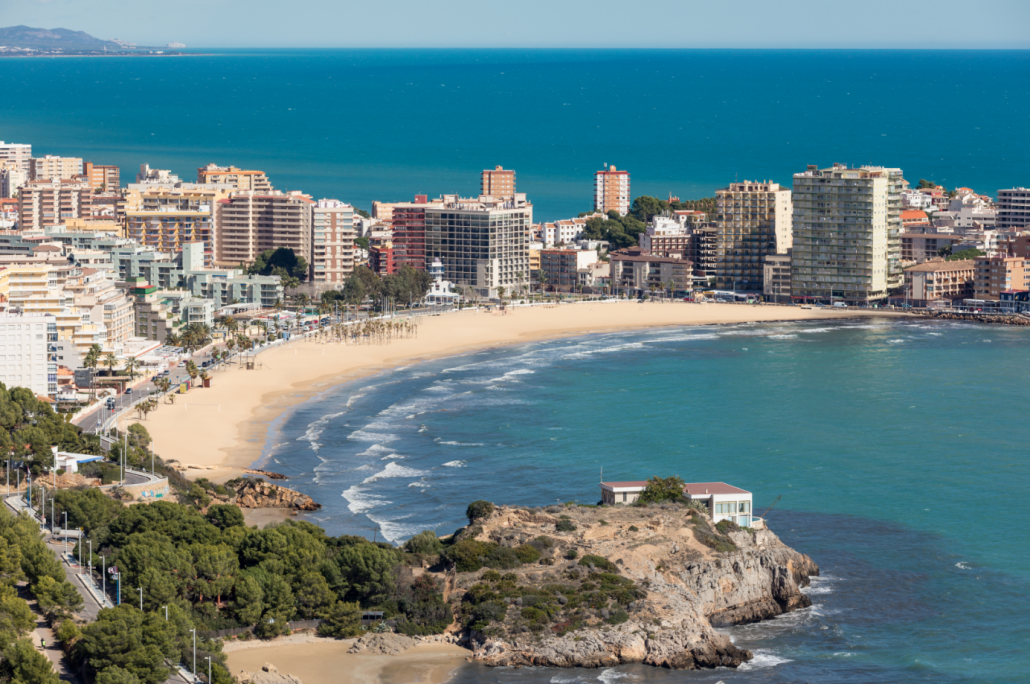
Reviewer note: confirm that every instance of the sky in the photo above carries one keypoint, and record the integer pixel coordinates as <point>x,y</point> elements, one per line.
<point>999,24</point>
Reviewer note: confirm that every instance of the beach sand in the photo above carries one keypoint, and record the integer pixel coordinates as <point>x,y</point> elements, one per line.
<point>327,662</point>
<point>223,428</point>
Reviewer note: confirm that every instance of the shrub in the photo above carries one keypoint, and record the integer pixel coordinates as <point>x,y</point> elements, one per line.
<point>617,617</point>
<point>718,543</point>
<point>603,522</point>
<point>479,510</point>
<point>467,555</point>
<point>535,615</point>
<point>542,543</point>
<point>491,575</point>
<point>485,613</point>
<point>598,562</point>
<point>344,621</point>
<point>527,553</point>
<point>565,526</point>
<point>425,542</point>
<point>509,577</point>
<point>546,561</point>
<point>634,528</point>
<point>661,489</point>
<point>571,554</point>
<point>725,526</point>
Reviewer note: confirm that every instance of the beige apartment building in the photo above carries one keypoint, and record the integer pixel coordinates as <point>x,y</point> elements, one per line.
<point>996,274</point>
<point>102,177</point>
<point>754,221</point>
<point>611,191</point>
<point>12,177</point>
<point>46,203</point>
<point>1013,209</point>
<point>54,168</point>
<point>18,154</point>
<point>776,277</point>
<point>332,250</point>
<point>499,182</point>
<point>938,279</point>
<point>241,179</point>
<point>920,247</point>
<point>843,222</point>
<point>169,229</point>
<point>250,222</point>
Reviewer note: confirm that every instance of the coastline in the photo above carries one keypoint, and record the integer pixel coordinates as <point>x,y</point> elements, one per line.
<point>223,429</point>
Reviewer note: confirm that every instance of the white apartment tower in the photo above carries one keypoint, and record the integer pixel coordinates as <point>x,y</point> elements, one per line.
<point>332,244</point>
<point>24,357</point>
<point>1013,209</point>
<point>54,168</point>
<point>754,221</point>
<point>611,191</point>
<point>13,153</point>
<point>843,220</point>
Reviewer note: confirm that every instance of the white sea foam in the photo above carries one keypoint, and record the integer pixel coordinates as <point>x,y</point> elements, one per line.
<point>512,375</point>
<point>366,467</point>
<point>389,457</point>
<point>364,435</point>
<point>962,566</point>
<point>455,464</point>
<point>375,450</point>
<point>439,441</point>
<point>686,337</point>
<point>397,529</point>
<point>394,469</point>
<point>763,658</point>
<point>353,398</point>
<point>315,430</point>
<point>898,341</point>
<point>420,484</point>
<point>359,500</point>
<point>604,350</point>
<point>782,337</point>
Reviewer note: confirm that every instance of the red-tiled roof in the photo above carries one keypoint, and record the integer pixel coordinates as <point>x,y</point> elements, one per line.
<point>695,488</point>
<point>633,483</point>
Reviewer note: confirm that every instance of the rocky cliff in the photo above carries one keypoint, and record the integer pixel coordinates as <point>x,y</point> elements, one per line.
<point>256,493</point>
<point>618,585</point>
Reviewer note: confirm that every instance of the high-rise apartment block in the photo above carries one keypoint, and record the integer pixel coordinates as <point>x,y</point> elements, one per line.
<point>996,274</point>
<point>250,222</point>
<point>498,183</point>
<point>611,191</point>
<point>241,179</point>
<point>54,168</point>
<point>332,245</point>
<point>754,221</point>
<point>482,243</point>
<point>149,175</point>
<point>19,155</point>
<point>843,224</point>
<point>51,202</point>
<point>1013,209</point>
<point>25,359</point>
<point>12,177</point>
<point>102,178</point>
<point>168,229</point>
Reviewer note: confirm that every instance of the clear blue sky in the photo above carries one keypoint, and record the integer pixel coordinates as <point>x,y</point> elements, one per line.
<point>539,23</point>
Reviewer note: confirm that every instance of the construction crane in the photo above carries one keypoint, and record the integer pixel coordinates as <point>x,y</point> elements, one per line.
<point>770,507</point>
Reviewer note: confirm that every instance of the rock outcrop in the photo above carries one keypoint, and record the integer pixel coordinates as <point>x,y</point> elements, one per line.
<point>382,644</point>
<point>255,493</point>
<point>269,674</point>
<point>626,585</point>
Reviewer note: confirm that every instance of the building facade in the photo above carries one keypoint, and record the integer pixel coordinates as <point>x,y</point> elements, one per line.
<point>560,268</point>
<point>240,179</point>
<point>920,247</point>
<point>25,357</point>
<point>17,154</point>
<point>842,232</point>
<point>995,274</point>
<point>46,203</point>
<point>939,279</point>
<point>1013,209</point>
<point>754,221</point>
<point>169,229</point>
<point>634,271</point>
<point>332,250</point>
<point>498,183</point>
<point>54,168</point>
<point>776,277</point>
<point>102,177</point>
<point>482,243</point>
<point>611,191</point>
<point>248,223</point>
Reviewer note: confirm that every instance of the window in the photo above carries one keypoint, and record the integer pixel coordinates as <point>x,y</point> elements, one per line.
<point>744,507</point>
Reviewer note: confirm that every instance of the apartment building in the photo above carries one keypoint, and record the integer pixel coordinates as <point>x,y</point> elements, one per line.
<point>920,247</point>
<point>44,203</point>
<point>168,229</point>
<point>25,357</point>
<point>17,154</point>
<point>611,191</point>
<point>633,270</point>
<point>995,274</point>
<point>54,168</point>
<point>483,243</point>
<point>564,231</point>
<point>843,220</point>
<point>754,220</point>
<point>666,237</point>
<point>938,279</point>
<point>240,179</point>
<point>149,175</point>
<point>560,268</point>
<point>12,177</point>
<point>332,251</point>
<point>1013,209</point>
<point>102,177</point>
<point>96,295</point>
<point>498,182</point>
<point>776,277</point>
<point>250,222</point>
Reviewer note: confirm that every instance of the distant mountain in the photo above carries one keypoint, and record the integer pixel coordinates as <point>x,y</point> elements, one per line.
<point>49,39</point>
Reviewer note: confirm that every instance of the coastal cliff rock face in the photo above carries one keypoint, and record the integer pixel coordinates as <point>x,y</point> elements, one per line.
<point>627,585</point>
<point>254,493</point>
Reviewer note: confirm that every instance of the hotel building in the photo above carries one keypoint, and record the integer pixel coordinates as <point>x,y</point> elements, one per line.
<point>250,222</point>
<point>482,243</point>
<point>230,175</point>
<point>611,191</point>
<point>168,229</point>
<point>776,277</point>
<point>754,221</point>
<point>332,257</point>
<point>498,183</point>
<point>846,222</point>
<point>632,269</point>
<point>940,279</point>
<point>995,274</point>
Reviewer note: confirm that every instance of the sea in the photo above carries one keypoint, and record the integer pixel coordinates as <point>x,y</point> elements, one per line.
<point>364,125</point>
<point>893,452</point>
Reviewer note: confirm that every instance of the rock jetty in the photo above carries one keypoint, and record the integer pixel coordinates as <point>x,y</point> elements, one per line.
<point>255,493</point>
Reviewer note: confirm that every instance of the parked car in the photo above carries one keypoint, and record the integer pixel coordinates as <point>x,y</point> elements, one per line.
<point>128,390</point>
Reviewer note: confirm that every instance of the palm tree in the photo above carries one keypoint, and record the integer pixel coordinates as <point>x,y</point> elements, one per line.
<point>192,369</point>
<point>110,361</point>
<point>173,340</point>
<point>131,365</point>
<point>92,361</point>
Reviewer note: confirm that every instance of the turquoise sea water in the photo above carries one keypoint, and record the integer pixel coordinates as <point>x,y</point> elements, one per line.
<point>899,449</point>
<point>363,125</point>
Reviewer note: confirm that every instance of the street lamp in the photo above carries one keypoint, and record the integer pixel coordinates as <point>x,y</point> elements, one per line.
<point>65,514</point>
<point>141,599</point>
<point>166,613</point>
<point>194,630</point>
<point>208,658</point>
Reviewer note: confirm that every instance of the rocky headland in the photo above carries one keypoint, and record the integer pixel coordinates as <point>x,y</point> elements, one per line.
<point>577,586</point>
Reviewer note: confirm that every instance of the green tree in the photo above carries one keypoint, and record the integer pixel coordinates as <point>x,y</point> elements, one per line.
<point>223,516</point>
<point>425,542</point>
<point>56,598</point>
<point>248,602</point>
<point>16,618</point>
<point>10,563</point>
<point>23,664</point>
<point>313,595</point>
<point>126,638</point>
<point>662,489</point>
<point>284,258</point>
<point>116,675</point>
<point>367,572</point>
<point>645,208</point>
<point>343,621</point>
<point>479,510</point>
<point>215,570</point>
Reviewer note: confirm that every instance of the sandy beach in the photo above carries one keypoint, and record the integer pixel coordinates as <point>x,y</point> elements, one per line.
<point>325,661</point>
<point>222,429</point>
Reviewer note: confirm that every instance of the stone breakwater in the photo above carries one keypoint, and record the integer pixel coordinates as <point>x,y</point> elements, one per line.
<point>997,319</point>
<point>683,588</point>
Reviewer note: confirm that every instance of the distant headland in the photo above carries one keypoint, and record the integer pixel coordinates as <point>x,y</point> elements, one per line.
<point>26,41</point>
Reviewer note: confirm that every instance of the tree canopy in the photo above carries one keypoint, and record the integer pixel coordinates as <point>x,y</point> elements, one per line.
<point>283,258</point>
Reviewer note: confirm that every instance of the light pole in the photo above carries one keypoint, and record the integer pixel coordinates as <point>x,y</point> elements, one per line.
<point>103,577</point>
<point>208,658</point>
<point>141,599</point>
<point>90,542</point>
<point>166,613</point>
<point>65,514</point>
<point>194,630</point>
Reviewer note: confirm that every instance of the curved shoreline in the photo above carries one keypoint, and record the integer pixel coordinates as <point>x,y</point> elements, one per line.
<point>229,423</point>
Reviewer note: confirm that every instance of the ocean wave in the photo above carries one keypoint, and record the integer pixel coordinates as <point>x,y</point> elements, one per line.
<point>420,484</point>
<point>454,464</point>
<point>439,441</point>
<point>604,350</point>
<point>764,658</point>
<point>685,338</point>
<point>785,336</point>
<point>510,375</point>
<point>394,469</point>
<point>610,675</point>
<point>359,500</point>
<point>961,565</point>
<point>353,398</point>
<point>397,530</point>
<point>363,435</point>
<point>375,450</point>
